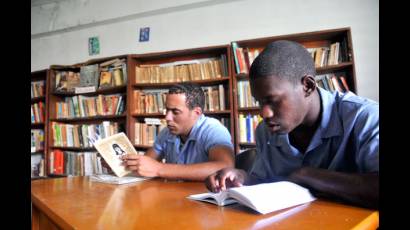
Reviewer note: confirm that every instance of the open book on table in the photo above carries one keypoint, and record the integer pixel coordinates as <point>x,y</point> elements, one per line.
<point>263,198</point>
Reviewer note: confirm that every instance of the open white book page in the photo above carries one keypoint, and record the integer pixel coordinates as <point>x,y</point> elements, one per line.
<point>112,148</point>
<point>112,179</point>
<point>263,198</point>
<point>220,198</point>
<point>269,197</point>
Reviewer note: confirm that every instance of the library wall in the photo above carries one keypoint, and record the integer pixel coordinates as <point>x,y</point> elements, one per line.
<point>60,29</point>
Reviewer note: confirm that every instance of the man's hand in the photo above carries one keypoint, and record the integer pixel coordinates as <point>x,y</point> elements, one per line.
<point>142,165</point>
<point>225,178</point>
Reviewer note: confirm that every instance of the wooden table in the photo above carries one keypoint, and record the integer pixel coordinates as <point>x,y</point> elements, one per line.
<point>78,203</point>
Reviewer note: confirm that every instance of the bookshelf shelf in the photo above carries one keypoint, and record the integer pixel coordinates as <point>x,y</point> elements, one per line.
<point>38,124</point>
<point>73,148</point>
<point>248,145</point>
<point>94,118</point>
<point>111,90</point>
<point>142,146</point>
<point>321,44</point>
<point>249,109</point>
<point>221,112</point>
<point>37,99</point>
<point>332,68</point>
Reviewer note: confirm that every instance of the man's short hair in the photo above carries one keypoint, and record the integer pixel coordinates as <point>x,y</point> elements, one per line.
<point>284,59</point>
<point>194,94</point>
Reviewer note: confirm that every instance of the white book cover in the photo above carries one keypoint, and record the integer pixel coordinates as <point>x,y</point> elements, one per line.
<point>263,198</point>
<point>112,148</point>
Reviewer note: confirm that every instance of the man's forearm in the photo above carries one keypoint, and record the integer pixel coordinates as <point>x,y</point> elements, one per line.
<point>193,172</point>
<point>358,189</point>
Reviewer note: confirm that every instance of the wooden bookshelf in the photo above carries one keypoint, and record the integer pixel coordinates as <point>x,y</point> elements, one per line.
<point>99,106</point>
<point>39,95</point>
<point>140,82</point>
<point>311,40</point>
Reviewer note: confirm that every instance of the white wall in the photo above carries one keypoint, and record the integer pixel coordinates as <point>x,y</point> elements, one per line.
<point>60,30</point>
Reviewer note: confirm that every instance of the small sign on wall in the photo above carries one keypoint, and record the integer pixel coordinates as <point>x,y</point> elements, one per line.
<point>93,46</point>
<point>144,34</point>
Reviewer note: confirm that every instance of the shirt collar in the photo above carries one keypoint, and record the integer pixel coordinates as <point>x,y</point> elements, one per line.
<point>330,124</point>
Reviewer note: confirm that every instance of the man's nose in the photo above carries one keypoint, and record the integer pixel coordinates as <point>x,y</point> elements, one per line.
<point>168,116</point>
<point>267,111</point>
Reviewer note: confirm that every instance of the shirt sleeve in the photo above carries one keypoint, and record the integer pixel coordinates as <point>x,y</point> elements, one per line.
<point>217,134</point>
<point>367,133</point>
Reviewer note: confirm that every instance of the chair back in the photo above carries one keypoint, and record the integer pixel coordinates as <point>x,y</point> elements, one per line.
<point>244,160</point>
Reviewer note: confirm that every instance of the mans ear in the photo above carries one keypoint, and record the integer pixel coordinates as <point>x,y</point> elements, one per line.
<point>309,84</point>
<point>197,110</point>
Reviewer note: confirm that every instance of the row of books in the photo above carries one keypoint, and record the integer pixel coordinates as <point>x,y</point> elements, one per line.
<point>149,101</point>
<point>75,163</point>
<point>334,54</point>
<point>77,135</point>
<point>113,73</point>
<point>89,106</point>
<point>37,140</point>
<point>245,98</point>
<point>37,112</point>
<point>214,98</point>
<point>199,69</point>
<point>147,132</point>
<point>247,127</point>
<point>107,74</point>
<point>37,165</point>
<point>332,82</point>
<point>37,89</point>
<point>153,101</point>
<point>244,57</point>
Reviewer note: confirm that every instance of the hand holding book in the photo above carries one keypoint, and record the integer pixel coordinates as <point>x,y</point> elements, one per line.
<point>142,165</point>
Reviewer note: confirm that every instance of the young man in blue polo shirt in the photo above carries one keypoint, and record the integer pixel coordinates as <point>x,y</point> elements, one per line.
<point>327,142</point>
<point>192,145</point>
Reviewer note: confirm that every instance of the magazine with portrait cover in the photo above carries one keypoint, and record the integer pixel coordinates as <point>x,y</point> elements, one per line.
<point>112,148</point>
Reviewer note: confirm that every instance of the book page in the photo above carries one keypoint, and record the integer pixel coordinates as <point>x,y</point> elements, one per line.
<point>112,148</point>
<point>220,199</point>
<point>269,197</point>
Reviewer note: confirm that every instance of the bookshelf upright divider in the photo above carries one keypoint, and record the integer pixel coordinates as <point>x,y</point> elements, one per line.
<point>332,53</point>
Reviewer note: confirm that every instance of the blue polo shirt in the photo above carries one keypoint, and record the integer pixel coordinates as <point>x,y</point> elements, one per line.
<point>347,140</point>
<point>205,134</point>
